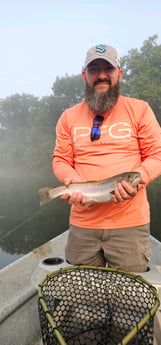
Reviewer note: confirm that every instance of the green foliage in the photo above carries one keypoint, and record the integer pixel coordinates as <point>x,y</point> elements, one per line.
<point>142,76</point>
<point>28,125</point>
<point>16,111</point>
<point>16,114</point>
<point>70,87</point>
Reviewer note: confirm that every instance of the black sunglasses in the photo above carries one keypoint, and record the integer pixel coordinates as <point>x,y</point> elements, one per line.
<point>95,130</point>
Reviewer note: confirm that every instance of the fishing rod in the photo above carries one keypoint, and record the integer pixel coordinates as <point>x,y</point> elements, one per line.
<point>24,222</point>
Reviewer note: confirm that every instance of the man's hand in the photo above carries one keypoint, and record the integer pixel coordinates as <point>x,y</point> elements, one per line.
<point>75,198</point>
<point>125,191</point>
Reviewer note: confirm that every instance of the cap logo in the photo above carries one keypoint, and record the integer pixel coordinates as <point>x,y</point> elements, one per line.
<point>100,48</point>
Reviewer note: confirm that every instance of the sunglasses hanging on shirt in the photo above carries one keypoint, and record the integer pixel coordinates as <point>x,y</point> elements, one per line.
<point>95,130</point>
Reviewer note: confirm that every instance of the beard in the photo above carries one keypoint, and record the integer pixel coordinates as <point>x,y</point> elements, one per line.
<point>102,102</point>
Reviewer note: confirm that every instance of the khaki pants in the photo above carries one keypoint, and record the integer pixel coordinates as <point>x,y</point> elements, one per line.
<point>125,248</point>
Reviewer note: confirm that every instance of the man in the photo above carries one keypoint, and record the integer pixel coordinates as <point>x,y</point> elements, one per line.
<point>105,135</point>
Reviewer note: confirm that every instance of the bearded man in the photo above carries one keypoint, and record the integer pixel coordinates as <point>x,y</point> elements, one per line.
<point>105,135</point>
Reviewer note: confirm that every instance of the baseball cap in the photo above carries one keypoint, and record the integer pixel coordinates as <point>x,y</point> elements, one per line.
<point>102,51</point>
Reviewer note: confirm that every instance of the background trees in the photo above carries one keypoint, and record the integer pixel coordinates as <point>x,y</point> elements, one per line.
<point>142,74</point>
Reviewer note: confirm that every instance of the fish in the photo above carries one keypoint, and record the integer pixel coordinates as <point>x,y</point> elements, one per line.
<point>94,191</point>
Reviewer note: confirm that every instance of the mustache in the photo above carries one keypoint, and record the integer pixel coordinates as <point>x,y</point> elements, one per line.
<point>105,80</point>
<point>101,102</point>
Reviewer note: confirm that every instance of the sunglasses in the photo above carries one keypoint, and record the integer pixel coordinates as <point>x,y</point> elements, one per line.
<point>95,130</point>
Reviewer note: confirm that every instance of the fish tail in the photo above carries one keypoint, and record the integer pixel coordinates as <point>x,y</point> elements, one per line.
<point>44,196</point>
<point>47,194</point>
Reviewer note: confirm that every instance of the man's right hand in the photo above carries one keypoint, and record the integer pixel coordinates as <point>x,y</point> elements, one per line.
<point>75,198</point>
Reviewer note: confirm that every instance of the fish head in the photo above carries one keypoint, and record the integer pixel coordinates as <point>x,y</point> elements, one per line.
<point>132,178</point>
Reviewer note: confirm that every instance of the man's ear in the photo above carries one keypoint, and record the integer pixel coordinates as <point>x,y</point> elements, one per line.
<point>120,74</point>
<point>84,76</point>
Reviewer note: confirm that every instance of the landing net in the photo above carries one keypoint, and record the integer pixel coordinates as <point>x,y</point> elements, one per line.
<point>96,306</point>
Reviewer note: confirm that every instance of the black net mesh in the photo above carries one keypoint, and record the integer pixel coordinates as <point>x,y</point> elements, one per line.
<point>92,306</point>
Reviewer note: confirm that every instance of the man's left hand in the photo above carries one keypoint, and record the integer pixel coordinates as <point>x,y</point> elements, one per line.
<point>125,191</point>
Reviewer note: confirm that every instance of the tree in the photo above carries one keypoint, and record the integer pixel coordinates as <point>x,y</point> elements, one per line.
<point>70,87</point>
<point>16,114</point>
<point>142,77</point>
<point>16,110</point>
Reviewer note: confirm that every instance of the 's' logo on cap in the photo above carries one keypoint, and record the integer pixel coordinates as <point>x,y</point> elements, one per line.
<point>100,48</point>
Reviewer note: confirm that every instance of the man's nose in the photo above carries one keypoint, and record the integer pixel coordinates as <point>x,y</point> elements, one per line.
<point>102,73</point>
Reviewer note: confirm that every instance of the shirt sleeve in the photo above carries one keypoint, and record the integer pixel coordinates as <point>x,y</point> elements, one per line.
<point>62,159</point>
<point>149,136</point>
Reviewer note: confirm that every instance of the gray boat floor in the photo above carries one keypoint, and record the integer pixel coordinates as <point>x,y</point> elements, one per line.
<point>18,299</point>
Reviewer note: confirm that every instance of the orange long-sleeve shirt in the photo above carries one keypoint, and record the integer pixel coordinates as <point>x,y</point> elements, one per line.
<point>130,141</point>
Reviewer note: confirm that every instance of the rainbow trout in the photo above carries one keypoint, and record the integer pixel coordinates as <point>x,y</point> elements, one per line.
<point>98,192</point>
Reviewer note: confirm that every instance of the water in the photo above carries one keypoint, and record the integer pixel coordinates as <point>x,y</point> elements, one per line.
<point>24,225</point>
<point>7,258</point>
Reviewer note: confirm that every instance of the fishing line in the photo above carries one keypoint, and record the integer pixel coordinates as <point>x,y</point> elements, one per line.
<point>25,221</point>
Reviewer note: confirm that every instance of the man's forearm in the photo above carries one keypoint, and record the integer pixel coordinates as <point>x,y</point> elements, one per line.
<point>62,170</point>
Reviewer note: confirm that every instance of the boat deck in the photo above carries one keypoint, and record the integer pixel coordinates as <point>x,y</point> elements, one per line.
<point>19,319</point>
<point>157,328</point>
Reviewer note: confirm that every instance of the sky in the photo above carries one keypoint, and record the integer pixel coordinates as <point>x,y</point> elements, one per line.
<point>43,39</point>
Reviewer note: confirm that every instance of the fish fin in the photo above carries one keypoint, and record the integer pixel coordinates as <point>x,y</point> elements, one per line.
<point>90,205</point>
<point>45,196</point>
<point>112,192</point>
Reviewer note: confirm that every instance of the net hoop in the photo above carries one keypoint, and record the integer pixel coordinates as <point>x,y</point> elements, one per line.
<point>138,278</point>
